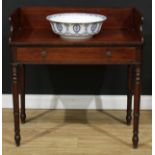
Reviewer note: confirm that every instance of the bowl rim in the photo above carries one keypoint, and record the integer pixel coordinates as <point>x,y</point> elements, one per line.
<point>103,18</point>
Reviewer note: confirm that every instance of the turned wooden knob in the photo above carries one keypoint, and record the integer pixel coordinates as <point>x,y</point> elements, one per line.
<point>109,53</point>
<point>43,53</point>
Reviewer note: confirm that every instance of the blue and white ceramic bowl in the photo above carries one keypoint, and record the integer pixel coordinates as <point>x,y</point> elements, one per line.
<point>76,25</point>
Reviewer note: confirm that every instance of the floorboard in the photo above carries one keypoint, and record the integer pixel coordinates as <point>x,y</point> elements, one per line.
<point>76,132</point>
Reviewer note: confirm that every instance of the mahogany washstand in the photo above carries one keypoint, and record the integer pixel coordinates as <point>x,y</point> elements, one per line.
<point>33,42</point>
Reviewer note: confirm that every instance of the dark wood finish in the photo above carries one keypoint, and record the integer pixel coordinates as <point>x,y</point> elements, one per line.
<point>118,18</point>
<point>136,105</point>
<point>45,37</point>
<point>130,93</point>
<point>121,28</point>
<point>22,92</point>
<point>87,55</point>
<point>119,42</point>
<point>16,102</point>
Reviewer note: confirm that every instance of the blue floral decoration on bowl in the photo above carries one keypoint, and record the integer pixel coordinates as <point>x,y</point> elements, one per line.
<point>59,27</point>
<point>76,28</point>
<point>93,27</point>
<point>75,25</point>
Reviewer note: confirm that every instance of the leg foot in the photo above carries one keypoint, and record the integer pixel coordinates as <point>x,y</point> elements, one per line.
<point>135,140</point>
<point>23,117</point>
<point>17,139</point>
<point>128,119</point>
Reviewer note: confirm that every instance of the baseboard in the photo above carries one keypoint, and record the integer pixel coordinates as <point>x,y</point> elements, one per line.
<point>76,101</point>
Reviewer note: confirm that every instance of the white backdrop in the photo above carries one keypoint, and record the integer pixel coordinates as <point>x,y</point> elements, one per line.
<point>77,101</point>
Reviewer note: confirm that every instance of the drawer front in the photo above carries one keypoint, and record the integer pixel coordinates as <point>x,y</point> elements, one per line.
<point>78,55</point>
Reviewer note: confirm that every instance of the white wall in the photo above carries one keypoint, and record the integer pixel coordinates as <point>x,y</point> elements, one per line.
<point>77,101</point>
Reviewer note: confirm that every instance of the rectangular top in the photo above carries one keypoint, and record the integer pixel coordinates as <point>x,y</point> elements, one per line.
<point>29,27</point>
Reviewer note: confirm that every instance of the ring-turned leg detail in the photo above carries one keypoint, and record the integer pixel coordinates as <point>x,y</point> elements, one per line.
<point>22,92</point>
<point>136,105</point>
<point>129,95</point>
<point>16,103</point>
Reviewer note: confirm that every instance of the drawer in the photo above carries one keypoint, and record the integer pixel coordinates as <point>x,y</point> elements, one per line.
<point>78,55</point>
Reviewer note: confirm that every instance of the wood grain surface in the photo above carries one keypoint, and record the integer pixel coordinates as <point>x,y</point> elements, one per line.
<point>76,132</point>
<point>78,55</point>
<point>28,26</point>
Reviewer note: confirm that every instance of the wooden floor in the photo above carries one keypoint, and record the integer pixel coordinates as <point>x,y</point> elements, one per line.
<point>76,132</point>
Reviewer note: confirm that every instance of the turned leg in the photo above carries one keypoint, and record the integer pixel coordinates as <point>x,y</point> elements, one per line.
<point>137,90</point>
<point>129,95</point>
<point>15,103</point>
<point>22,92</point>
